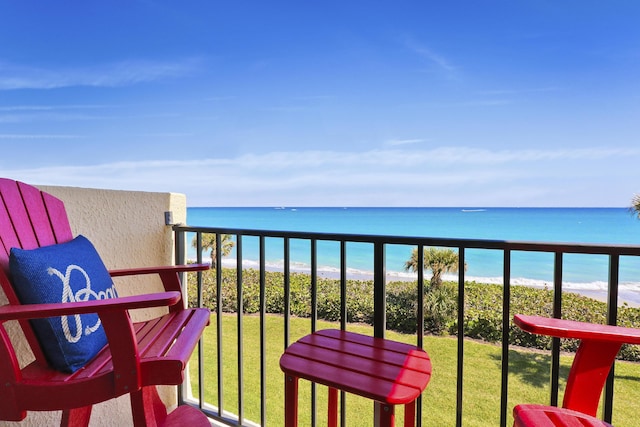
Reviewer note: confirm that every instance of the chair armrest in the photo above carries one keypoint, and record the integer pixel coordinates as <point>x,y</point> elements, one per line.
<point>37,311</point>
<point>113,312</point>
<point>562,328</point>
<point>169,275</point>
<point>159,270</point>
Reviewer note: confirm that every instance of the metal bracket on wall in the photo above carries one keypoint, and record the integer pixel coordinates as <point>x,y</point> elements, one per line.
<point>168,218</point>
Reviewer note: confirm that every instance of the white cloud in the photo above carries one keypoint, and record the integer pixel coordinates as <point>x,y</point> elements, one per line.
<point>50,107</point>
<point>445,176</point>
<point>501,92</point>
<point>9,136</point>
<point>117,74</point>
<point>431,57</point>
<point>30,113</point>
<point>396,142</point>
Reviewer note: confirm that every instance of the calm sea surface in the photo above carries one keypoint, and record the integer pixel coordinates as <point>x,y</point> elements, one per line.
<point>582,273</point>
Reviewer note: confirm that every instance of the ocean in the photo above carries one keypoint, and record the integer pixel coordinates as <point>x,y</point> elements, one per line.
<point>585,274</point>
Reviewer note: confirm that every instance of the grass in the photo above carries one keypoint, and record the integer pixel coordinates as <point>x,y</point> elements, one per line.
<point>528,378</point>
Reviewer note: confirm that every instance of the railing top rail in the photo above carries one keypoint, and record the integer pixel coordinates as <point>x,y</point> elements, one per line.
<point>564,247</point>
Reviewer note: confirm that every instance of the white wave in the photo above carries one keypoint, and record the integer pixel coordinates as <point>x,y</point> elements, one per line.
<point>629,292</point>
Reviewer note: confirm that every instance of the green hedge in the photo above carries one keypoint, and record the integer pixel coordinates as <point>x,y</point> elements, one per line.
<point>482,314</point>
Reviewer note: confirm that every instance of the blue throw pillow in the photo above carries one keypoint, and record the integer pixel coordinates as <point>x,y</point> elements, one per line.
<point>67,272</point>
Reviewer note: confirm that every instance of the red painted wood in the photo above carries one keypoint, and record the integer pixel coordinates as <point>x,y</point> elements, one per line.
<point>596,354</point>
<point>38,311</point>
<point>332,408</point>
<point>58,217</point>
<point>410,414</point>
<point>562,328</point>
<point>17,230</point>
<point>388,416</point>
<point>186,416</point>
<point>8,238</point>
<point>143,409</point>
<point>76,417</point>
<point>169,276</point>
<point>291,402</point>
<point>138,356</point>
<point>382,370</point>
<point>17,214</point>
<point>39,217</point>
<point>599,345</point>
<point>549,416</point>
<point>162,270</point>
<point>588,374</point>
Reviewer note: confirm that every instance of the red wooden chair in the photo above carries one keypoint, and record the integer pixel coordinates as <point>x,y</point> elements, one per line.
<point>599,345</point>
<point>138,356</point>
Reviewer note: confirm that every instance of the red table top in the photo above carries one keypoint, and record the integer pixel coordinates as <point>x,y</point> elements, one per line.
<point>562,328</point>
<point>379,369</point>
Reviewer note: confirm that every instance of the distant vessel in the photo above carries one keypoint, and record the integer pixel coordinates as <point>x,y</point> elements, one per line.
<point>473,210</point>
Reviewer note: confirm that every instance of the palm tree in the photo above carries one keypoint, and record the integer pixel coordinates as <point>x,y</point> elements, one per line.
<point>209,244</point>
<point>635,205</point>
<point>438,260</point>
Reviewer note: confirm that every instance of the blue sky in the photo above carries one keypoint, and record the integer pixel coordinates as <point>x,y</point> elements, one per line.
<point>331,103</point>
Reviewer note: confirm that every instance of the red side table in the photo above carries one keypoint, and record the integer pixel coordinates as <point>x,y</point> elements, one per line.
<point>385,371</point>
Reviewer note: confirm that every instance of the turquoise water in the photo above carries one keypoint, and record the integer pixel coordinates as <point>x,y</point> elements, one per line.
<point>587,273</point>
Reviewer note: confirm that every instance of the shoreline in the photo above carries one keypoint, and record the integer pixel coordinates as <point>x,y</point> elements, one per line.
<point>628,295</point>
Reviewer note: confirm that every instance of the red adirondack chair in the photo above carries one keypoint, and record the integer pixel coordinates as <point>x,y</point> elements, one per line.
<point>599,345</point>
<point>138,356</point>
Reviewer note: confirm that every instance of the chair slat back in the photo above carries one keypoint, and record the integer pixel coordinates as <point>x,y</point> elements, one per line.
<point>29,219</point>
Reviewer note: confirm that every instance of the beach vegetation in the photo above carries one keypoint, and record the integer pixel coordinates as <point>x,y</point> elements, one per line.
<point>635,205</point>
<point>209,245</point>
<point>438,260</point>
<point>482,317</point>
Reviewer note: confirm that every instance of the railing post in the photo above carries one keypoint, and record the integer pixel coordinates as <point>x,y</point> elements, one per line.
<point>420,322</point>
<point>379,290</point>
<point>201,378</point>
<point>612,319</point>
<point>181,258</point>
<point>263,333</point>
<point>287,290</point>
<point>460,346</point>
<point>314,317</point>
<point>240,326</point>
<point>219,324</point>
<point>343,285</point>
<point>555,342</point>
<point>379,305</point>
<point>180,237</point>
<point>506,322</point>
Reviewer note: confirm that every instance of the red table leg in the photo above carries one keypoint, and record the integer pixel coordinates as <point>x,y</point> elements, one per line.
<point>332,420</point>
<point>385,414</point>
<point>291,401</point>
<point>410,414</point>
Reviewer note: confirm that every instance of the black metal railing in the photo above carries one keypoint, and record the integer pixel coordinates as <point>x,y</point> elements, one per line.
<point>218,410</point>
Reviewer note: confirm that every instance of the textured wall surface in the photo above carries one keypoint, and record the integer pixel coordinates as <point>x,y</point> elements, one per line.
<point>128,230</point>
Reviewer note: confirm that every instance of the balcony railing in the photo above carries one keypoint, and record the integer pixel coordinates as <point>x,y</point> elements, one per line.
<point>379,244</point>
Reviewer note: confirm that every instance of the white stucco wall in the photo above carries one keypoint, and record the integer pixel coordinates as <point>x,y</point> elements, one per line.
<point>128,230</point>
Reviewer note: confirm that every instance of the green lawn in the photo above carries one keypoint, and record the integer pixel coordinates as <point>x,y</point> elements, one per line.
<point>528,381</point>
